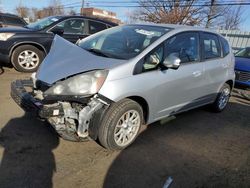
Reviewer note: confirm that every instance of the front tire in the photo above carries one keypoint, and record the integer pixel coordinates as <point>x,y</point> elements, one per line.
<point>27,58</point>
<point>222,98</point>
<point>121,125</point>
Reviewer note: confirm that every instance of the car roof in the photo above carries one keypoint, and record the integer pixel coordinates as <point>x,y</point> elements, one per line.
<point>177,26</point>
<point>8,14</point>
<point>86,17</point>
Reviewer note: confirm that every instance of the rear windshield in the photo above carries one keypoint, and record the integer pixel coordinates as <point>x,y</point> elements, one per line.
<point>123,42</point>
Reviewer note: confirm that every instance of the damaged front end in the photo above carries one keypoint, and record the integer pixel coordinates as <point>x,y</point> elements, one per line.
<point>64,91</point>
<point>72,116</point>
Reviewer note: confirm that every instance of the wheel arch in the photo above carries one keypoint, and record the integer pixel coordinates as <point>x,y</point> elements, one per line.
<point>230,83</point>
<point>144,104</point>
<point>35,44</point>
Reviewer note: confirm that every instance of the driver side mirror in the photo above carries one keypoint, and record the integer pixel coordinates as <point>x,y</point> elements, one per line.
<point>57,30</point>
<point>172,61</point>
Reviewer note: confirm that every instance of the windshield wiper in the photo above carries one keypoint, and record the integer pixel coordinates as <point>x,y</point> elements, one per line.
<point>98,52</point>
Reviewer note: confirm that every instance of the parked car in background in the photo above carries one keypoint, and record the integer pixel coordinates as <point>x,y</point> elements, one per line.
<point>11,20</point>
<point>242,67</point>
<point>121,78</point>
<point>26,47</point>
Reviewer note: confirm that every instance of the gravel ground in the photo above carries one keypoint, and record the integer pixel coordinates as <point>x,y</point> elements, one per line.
<point>197,149</point>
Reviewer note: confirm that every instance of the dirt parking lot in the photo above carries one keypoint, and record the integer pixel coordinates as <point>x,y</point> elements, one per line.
<point>197,149</point>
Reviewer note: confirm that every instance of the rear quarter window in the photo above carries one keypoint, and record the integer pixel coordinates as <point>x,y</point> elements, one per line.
<point>211,46</point>
<point>225,46</point>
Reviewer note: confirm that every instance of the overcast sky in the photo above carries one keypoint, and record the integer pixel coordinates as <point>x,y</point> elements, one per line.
<point>9,6</point>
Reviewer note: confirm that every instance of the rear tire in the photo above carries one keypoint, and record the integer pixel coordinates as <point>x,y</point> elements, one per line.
<point>222,99</point>
<point>27,58</point>
<point>120,125</point>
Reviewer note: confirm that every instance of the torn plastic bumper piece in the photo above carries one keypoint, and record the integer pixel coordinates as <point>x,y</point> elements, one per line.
<point>24,99</point>
<point>30,104</point>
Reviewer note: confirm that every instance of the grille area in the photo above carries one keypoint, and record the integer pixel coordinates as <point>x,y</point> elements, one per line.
<point>242,76</point>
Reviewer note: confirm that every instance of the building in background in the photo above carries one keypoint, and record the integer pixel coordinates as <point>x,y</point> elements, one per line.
<point>99,13</point>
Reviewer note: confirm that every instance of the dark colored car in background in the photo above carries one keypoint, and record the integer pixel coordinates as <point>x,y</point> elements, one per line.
<point>242,67</point>
<point>11,20</point>
<point>26,47</point>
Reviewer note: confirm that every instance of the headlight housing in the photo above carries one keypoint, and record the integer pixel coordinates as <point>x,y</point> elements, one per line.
<point>82,84</point>
<point>5,36</point>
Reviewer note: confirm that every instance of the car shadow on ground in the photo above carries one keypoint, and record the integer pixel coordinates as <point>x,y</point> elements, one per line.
<point>27,160</point>
<point>1,69</point>
<point>197,149</point>
<point>3,66</point>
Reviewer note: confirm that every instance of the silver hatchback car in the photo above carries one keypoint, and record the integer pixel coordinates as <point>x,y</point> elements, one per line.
<point>112,82</point>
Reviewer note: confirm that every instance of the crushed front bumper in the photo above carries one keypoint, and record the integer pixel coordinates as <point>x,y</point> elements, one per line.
<point>70,121</point>
<point>30,104</point>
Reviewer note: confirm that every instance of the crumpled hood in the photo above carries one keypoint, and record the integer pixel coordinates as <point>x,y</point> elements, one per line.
<point>66,59</point>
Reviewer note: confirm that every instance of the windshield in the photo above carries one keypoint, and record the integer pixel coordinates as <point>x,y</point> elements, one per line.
<point>123,42</point>
<point>243,53</point>
<point>41,24</point>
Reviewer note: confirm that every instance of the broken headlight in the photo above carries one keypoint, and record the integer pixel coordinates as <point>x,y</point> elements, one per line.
<point>82,84</point>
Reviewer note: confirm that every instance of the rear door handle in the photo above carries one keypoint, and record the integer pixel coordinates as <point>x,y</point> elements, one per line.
<point>196,73</point>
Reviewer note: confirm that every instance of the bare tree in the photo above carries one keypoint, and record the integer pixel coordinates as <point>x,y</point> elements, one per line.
<point>56,7</point>
<point>22,11</point>
<point>233,18</point>
<point>169,11</point>
<point>36,14</point>
<point>209,13</point>
<point>213,12</point>
<point>220,15</point>
<point>72,12</point>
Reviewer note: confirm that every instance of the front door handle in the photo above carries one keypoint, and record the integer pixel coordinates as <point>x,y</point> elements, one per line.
<point>196,73</point>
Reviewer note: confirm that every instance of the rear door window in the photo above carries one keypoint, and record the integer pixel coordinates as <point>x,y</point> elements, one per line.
<point>211,46</point>
<point>95,27</point>
<point>72,26</point>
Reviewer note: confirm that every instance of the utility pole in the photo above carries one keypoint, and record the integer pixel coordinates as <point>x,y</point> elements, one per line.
<point>82,7</point>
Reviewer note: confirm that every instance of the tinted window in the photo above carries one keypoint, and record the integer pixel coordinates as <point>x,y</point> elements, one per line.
<point>225,47</point>
<point>184,45</point>
<point>211,46</point>
<point>95,27</point>
<point>72,26</point>
<point>13,20</point>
